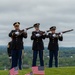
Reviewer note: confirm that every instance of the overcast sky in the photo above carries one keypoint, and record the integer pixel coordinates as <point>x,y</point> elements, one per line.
<point>59,13</point>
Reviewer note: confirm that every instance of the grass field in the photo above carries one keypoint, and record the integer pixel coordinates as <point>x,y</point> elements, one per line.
<point>48,71</point>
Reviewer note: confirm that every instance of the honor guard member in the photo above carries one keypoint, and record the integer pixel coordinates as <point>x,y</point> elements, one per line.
<point>53,45</point>
<point>38,45</point>
<point>17,45</point>
<point>9,50</point>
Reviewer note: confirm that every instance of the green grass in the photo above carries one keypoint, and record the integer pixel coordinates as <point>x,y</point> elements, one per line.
<point>60,71</point>
<point>48,71</point>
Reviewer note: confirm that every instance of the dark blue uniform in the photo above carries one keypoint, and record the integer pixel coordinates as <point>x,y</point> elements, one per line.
<point>38,47</point>
<point>53,48</point>
<point>17,46</point>
<point>9,49</point>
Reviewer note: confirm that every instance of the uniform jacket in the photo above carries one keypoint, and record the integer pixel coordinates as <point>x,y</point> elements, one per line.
<point>17,41</point>
<point>37,41</point>
<point>53,41</point>
<point>9,48</point>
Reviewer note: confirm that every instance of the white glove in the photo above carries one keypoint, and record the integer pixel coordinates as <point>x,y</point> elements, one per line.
<point>38,35</point>
<point>10,57</point>
<point>25,30</point>
<point>17,33</point>
<point>46,33</point>
<point>61,34</point>
<point>54,35</point>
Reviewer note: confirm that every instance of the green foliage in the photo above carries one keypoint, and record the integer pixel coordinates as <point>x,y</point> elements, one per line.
<point>61,71</point>
<point>66,57</point>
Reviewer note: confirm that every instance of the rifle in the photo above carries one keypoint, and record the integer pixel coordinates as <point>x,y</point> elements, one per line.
<point>41,33</point>
<point>65,31</point>
<point>57,34</point>
<point>21,31</point>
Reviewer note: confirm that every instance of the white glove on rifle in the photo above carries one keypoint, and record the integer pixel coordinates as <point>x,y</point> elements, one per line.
<point>46,33</point>
<point>25,30</point>
<point>38,35</point>
<point>54,35</point>
<point>17,33</point>
<point>61,34</point>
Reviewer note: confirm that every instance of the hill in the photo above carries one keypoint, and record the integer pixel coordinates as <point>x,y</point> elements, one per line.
<point>48,71</point>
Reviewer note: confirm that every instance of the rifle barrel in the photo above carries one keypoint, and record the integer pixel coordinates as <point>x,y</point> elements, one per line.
<point>67,31</point>
<point>29,28</point>
<point>48,30</point>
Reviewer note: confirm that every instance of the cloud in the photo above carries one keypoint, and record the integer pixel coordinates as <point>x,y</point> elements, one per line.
<point>60,13</point>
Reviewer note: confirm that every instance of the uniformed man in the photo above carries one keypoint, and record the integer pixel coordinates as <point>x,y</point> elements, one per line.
<point>53,45</point>
<point>38,45</point>
<point>17,44</point>
<point>9,50</point>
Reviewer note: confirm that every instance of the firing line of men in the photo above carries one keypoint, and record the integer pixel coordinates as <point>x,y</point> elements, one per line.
<point>16,45</point>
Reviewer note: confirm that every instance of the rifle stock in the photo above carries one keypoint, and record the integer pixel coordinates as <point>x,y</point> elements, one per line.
<point>41,33</point>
